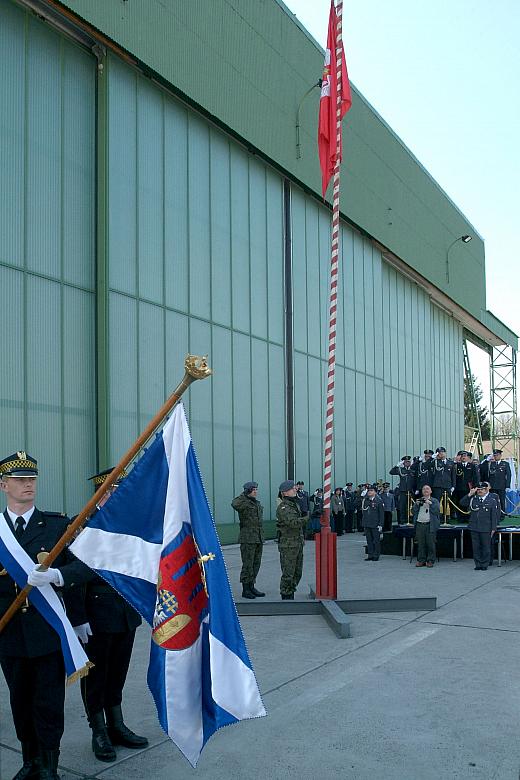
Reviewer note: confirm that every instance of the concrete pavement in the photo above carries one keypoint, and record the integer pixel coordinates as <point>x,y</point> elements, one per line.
<point>410,696</point>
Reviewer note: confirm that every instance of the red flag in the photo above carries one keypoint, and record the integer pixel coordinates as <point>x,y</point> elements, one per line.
<point>327,116</point>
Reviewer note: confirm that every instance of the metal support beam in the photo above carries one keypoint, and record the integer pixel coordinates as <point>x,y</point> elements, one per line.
<point>504,419</point>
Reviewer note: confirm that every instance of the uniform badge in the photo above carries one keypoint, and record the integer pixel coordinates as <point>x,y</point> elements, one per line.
<point>22,455</point>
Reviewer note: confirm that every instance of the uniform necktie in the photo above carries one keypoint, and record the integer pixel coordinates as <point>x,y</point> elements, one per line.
<point>20,527</point>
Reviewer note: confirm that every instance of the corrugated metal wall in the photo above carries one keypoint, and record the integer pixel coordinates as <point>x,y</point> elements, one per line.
<point>47,163</point>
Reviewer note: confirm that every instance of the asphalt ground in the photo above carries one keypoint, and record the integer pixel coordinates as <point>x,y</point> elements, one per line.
<point>410,696</point>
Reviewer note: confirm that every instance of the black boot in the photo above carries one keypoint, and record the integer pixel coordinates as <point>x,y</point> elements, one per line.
<point>121,734</point>
<point>31,762</point>
<point>256,592</point>
<point>49,767</point>
<point>247,592</point>
<point>101,744</point>
<point>287,596</point>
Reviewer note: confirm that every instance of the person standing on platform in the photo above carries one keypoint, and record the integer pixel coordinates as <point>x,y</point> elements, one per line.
<point>290,523</point>
<point>498,473</point>
<point>406,475</point>
<point>466,477</point>
<point>338,511</point>
<point>251,538</point>
<point>484,518</point>
<point>373,518</point>
<point>388,506</point>
<point>31,655</point>
<point>349,499</point>
<point>426,519</point>
<point>424,472</point>
<point>443,484</point>
<point>113,623</point>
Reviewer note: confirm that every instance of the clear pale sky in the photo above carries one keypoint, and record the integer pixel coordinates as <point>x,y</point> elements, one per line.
<point>446,78</point>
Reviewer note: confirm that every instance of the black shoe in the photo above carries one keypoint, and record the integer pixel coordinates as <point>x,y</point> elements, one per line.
<point>483,568</point>
<point>31,762</point>
<point>287,596</point>
<point>255,592</point>
<point>369,559</point>
<point>247,592</point>
<point>101,744</point>
<point>477,568</point>
<point>375,559</point>
<point>49,766</point>
<point>119,733</point>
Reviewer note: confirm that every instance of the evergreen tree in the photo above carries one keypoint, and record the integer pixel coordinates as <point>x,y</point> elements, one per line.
<point>482,411</point>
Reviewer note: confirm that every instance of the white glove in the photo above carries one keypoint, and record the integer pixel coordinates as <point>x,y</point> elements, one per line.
<point>451,490</point>
<point>416,492</point>
<point>401,463</point>
<point>37,578</point>
<point>489,457</point>
<point>379,528</point>
<point>83,632</point>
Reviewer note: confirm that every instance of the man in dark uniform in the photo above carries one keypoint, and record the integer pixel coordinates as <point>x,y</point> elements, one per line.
<point>443,484</point>
<point>498,473</point>
<point>303,497</point>
<point>251,537</point>
<point>30,651</point>
<point>373,518</point>
<point>388,505</point>
<point>349,499</point>
<point>290,523</point>
<point>466,477</point>
<point>424,472</point>
<point>113,623</point>
<point>483,521</point>
<point>406,475</point>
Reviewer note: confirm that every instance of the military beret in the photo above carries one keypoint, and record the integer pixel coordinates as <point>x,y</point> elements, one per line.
<point>428,452</point>
<point>249,486</point>
<point>440,449</point>
<point>101,476</point>
<point>19,464</point>
<point>287,485</point>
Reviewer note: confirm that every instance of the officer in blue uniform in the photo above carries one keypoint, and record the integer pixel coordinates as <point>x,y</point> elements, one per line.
<point>484,518</point>
<point>498,473</point>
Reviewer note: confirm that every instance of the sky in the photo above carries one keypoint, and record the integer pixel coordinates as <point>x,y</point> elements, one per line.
<point>446,77</point>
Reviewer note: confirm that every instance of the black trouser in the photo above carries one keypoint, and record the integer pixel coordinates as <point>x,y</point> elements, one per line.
<point>501,497</point>
<point>37,695</point>
<point>359,519</point>
<point>481,543</point>
<point>387,524</point>
<point>349,521</point>
<point>404,501</point>
<point>339,523</point>
<point>373,543</point>
<point>103,686</point>
<point>458,494</point>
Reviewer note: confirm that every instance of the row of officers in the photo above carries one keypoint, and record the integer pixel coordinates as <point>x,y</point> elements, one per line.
<point>449,479</point>
<point>31,657</point>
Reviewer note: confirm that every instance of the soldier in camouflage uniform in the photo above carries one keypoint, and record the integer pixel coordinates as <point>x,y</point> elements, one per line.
<point>290,522</point>
<point>251,537</point>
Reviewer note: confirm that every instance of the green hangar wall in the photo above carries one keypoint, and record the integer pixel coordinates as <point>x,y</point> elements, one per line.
<point>140,224</point>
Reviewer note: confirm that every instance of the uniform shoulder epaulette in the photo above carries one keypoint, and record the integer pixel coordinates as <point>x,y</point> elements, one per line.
<point>62,515</point>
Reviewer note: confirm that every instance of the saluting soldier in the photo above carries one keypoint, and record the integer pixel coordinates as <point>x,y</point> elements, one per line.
<point>406,474</point>
<point>290,523</point>
<point>466,477</point>
<point>112,623</point>
<point>498,473</point>
<point>484,518</point>
<point>424,471</point>
<point>373,518</point>
<point>251,537</point>
<point>30,650</point>
<point>443,476</point>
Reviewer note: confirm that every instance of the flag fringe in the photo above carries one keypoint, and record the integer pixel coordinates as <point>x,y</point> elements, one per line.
<point>77,675</point>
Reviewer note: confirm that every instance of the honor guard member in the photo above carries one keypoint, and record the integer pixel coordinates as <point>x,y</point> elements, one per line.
<point>290,523</point>
<point>388,505</point>
<point>484,510</point>
<point>466,477</point>
<point>373,518</point>
<point>30,650</point>
<point>424,472</point>
<point>251,537</point>
<point>443,477</point>
<point>426,519</point>
<point>113,623</point>
<point>349,499</point>
<point>406,475</point>
<point>498,473</point>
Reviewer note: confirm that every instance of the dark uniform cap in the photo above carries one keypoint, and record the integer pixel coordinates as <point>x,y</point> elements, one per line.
<point>483,485</point>
<point>249,486</point>
<point>287,485</point>
<point>406,457</point>
<point>462,452</point>
<point>19,464</point>
<point>386,484</point>
<point>372,487</point>
<point>428,452</point>
<point>440,449</point>
<point>497,452</point>
<point>98,479</point>
<point>349,483</point>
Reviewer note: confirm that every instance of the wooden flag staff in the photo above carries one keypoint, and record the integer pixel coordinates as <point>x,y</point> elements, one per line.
<point>195,368</point>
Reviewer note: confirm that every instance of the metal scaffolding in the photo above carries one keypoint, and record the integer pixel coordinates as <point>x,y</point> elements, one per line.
<point>504,420</point>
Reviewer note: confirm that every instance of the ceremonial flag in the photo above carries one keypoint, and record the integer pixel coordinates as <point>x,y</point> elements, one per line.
<point>155,542</point>
<point>327,141</point>
<point>19,565</point>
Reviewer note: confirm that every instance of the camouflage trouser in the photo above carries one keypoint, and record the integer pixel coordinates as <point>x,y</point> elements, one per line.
<point>291,561</point>
<point>251,559</point>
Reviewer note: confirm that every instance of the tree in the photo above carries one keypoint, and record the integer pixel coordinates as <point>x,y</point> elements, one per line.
<point>482,411</point>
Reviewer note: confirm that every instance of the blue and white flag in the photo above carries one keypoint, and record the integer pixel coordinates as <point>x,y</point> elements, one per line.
<point>155,542</point>
<point>19,565</point>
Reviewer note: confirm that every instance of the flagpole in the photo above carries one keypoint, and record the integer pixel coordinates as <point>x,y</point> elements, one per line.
<point>195,368</point>
<point>326,563</point>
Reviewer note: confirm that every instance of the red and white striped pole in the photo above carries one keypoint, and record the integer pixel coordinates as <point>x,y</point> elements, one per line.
<point>326,563</point>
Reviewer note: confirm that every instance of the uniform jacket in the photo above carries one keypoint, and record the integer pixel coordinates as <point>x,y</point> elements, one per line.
<point>423,474</point>
<point>290,523</point>
<point>303,500</point>
<point>250,515</point>
<point>373,512</point>
<point>337,504</point>
<point>406,476</point>
<point>466,476</point>
<point>349,499</point>
<point>28,634</point>
<point>485,514</point>
<point>434,513</point>
<point>443,474</point>
<point>497,473</point>
<point>317,500</point>
<point>388,501</point>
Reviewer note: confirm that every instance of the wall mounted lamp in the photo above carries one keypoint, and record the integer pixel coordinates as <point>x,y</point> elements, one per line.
<point>465,240</point>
